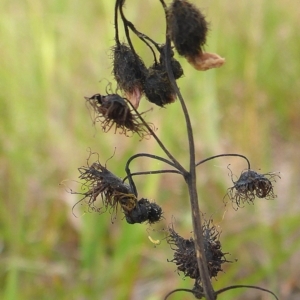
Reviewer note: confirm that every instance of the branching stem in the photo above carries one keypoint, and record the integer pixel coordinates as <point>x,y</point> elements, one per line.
<point>129,174</point>
<point>190,178</point>
<point>245,286</point>
<point>222,155</point>
<point>152,173</point>
<point>175,164</point>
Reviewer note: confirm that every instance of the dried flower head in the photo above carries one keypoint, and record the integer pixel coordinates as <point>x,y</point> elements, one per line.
<point>175,64</point>
<point>187,27</point>
<point>113,110</point>
<point>157,86</point>
<point>188,30</point>
<point>185,255</point>
<point>250,185</point>
<point>212,247</point>
<point>129,71</point>
<point>144,211</point>
<point>99,181</point>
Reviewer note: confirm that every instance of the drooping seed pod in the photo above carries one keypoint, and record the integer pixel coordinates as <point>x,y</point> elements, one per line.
<point>157,86</point>
<point>188,30</point>
<point>129,71</point>
<point>187,27</point>
<point>250,185</point>
<point>113,110</point>
<point>99,182</point>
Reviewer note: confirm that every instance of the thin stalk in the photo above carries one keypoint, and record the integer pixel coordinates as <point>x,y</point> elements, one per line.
<point>167,152</point>
<point>153,156</point>
<point>175,164</point>
<point>116,23</point>
<point>238,286</point>
<point>144,38</point>
<point>221,155</point>
<point>121,3</point>
<point>129,175</point>
<point>190,178</point>
<point>178,290</point>
<point>152,173</point>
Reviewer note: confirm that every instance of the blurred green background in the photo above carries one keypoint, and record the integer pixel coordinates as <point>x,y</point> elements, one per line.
<point>55,52</point>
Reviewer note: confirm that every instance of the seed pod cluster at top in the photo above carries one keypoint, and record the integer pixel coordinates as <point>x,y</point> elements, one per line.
<point>134,79</point>
<point>250,185</point>
<point>188,29</point>
<point>185,254</point>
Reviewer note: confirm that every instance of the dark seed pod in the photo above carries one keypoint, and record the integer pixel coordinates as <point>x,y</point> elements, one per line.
<point>175,64</point>
<point>157,87</point>
<point>139,214</point>
<point>154,213</point>
<point>187,27</point>
<point>113,110</point>
<point>250,185</point>
<point>188,30</point>
<point>99,181</point>
<point>176,68</point>
<point>185,254</point>
<point>143,211</point>
<point>129,72</point>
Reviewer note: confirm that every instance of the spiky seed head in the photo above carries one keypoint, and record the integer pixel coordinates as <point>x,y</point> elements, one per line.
<point>187,27</point>
<point>114,110</point>
<point>129,71</point>
<point>250,185</point>
<point>185,254</point>
<point>98,181</point>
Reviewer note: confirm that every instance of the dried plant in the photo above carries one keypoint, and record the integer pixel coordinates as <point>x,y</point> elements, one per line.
<point>250,185</point>
<point>200,257</point>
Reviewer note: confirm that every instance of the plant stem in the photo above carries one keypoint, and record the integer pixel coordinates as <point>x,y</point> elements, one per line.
<point>129,175</point>
<point>176,163</point>
<point>245,286</point>
<point>190,178</point>
<point>222,155</point>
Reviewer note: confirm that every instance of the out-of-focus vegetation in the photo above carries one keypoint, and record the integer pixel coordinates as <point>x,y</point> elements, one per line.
<point>55,52</point>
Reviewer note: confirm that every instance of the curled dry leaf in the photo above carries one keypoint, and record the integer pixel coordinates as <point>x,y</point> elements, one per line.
<point>205,61</point>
